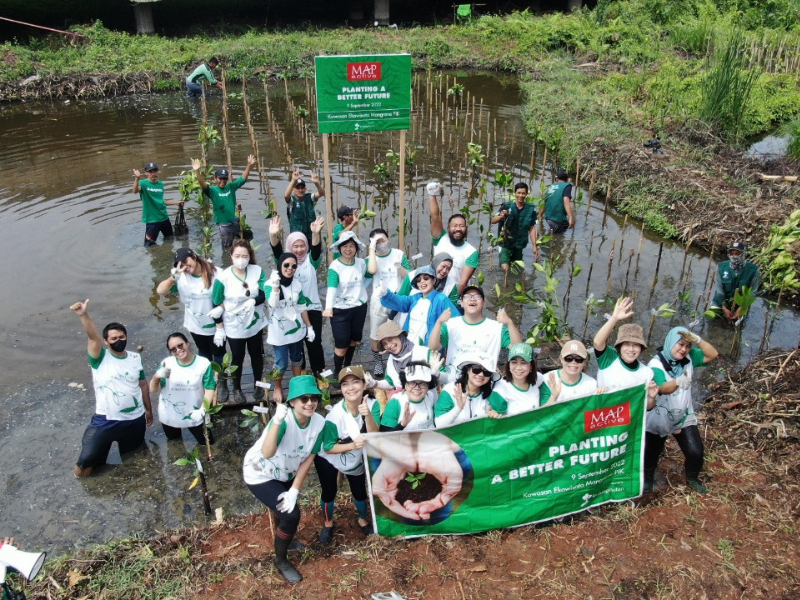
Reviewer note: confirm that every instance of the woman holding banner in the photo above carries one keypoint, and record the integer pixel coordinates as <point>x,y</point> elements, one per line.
<point>521,381</point>
<point>569,382</point>
<point>414,407</point>
<point>470,396</point>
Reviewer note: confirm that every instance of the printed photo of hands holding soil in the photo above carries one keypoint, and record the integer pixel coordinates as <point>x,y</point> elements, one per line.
<point>420,477</point>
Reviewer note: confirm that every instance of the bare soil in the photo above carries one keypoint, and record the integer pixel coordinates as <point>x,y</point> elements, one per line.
<point>737,541</point>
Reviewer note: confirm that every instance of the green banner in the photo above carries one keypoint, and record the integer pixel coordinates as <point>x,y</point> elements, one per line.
<point>363,93</point>
<point>494,473</point>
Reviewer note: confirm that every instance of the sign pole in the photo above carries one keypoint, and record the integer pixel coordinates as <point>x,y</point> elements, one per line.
<point>402,221</point>
<point>328,192</point>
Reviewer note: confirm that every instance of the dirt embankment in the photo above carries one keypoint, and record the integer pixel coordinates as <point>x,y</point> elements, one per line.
<point>737,541</point>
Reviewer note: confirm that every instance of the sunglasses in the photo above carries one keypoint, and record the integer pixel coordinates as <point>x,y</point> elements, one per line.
<point>246,288</point>
<point>308,399</point>
<point>177,347</point>
<point>575,359</point>
<point>289,266</point>
<point>478,370</point>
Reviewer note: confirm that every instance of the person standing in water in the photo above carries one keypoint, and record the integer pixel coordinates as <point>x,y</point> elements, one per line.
<point>154,206</point>
<point>223,198</point>
<point>194,85</point>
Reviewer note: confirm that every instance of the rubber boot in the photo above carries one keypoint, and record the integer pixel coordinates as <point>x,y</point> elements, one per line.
<point>338,363</point>
<point>377,366</point>
<point>693,481</point>
<point>649,480</point>
<point>222,391</point>
<point>348,357</point>
<point>258,394</point>
<point>238,396</point>
<point>282,563</point>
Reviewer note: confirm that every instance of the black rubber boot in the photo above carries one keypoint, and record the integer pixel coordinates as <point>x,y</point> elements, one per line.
<point>282,563</point>
<point>649,480</point>
<point>338,362</point>
<point>693,481</point>
<point>348,357</point>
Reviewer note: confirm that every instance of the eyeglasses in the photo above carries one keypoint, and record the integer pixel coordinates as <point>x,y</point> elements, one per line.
<point>478,370</point>
<point>177,347</point>
<point>289,266</point>
<point>417,385</point>
<point>308,399</point>
<point>575,359</point>
<point>471,297</point>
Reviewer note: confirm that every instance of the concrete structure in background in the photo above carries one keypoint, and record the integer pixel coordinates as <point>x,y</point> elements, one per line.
<point>143,11</point>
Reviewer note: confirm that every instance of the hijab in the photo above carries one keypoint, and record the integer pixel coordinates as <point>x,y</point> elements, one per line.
<point>673,366</point>
<point>437,260</point>
<point>285,281</point>
<point>292,238</point>
<point>402,358</point>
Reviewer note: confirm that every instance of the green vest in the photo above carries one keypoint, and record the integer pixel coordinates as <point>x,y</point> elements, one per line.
<point>301,214</point>
<point>517,225</point>
<point>732,281</point>
<point>554,203</point>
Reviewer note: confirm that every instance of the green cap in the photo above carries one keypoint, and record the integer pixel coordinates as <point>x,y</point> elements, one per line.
<point>522,350</point>
<point>302,385</point>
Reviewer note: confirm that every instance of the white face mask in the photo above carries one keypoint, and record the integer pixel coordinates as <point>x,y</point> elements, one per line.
<point>241,263</point>
<point>382,247</point>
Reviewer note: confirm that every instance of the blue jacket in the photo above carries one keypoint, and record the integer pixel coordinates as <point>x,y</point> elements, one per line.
<point>404,304</point>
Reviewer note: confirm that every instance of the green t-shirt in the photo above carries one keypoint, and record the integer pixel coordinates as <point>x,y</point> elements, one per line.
<point>223,200</point>
<point>202,71</point>
<point>152,196</point>
<point>337,232</point>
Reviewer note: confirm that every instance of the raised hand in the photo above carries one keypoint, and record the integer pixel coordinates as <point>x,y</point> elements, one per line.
<point>314,179</point>
<point>137,173</point>
<point>623,309</point>
<point>251,160</point>
<point>459,396</point>
<point>196,164</point>
<point>316,226</point>
<point>80,308</point>
<point>445,316</point>
<point>407,415</point>
<point>275,226</point>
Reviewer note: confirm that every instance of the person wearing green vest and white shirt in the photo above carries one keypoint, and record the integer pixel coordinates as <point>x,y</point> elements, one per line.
<point>415,407</point>
<point>673,368</point>
<point>732,275</point>
<point>342,440</point>
<point>122,399</point>
<point>185,380</point>
<point>521,381</point>
<point>471,395</point>
<point>301,203</point>
<point>154,206</point>
<point>276,466</point>
<point>238,313</point>
<point>453,241</point>
<point>223,198</point>
<point>346,300</point>
<point>387,266</point>
<point>473,332</point>
<point>194,85</point>
<point>557,208</point>
<point>288,323</point>
<point>569,382</point>
<point>519,223</point>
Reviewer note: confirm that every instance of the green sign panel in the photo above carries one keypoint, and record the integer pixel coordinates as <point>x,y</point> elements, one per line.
<point>496,473</point>
<point>363,93</point>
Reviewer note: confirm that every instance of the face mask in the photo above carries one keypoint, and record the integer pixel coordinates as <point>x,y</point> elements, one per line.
<point>382,248</point>
<point>118,346</point>
<point>737,261</point>
<point>241,263</point>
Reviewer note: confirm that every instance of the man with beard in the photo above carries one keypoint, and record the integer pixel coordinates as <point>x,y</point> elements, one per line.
<point>464,254</point>
<point>122,398</point>
<point>732,275</point>
<point>473,332</point>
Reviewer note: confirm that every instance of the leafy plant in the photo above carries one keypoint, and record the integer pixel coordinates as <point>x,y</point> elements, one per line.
<point>777,257</point>
<point>193,460</point>
<point>415,479</point>
<point>456,91</point>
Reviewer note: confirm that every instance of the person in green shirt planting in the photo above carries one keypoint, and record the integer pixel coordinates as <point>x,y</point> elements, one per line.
<point>732,275</point>
<point>557,209</point>
<point>194,85</point>
<point>154,207</point>
<point>519,223</point>
<point>223,198</point>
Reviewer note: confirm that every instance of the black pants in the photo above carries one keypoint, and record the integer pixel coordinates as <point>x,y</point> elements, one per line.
<point>316,355</point>
<point>268,493</point>
<point>96,443</point>
<point>151,231</point>
<point>176,433</point>
<point>328,476</point>
<point>207,348</point>
<point>255,348</point>
<point>691,445</point>
<point>347,325</point>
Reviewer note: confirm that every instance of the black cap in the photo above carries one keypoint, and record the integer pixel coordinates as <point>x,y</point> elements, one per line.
<point>299,183</point>
<point>740,246</point>
<point>476,288</point>
<point>562,174</point>
<point>151,166</point>
<point>221,173</point>
<point>181,254</point>
<point>344,211</point>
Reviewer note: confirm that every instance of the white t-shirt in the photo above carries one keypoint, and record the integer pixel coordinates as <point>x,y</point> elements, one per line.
<point>519,401</point>
<point>295,444</point>
<point>285,323</point>
<point>423,417</point>
<point>464,255</point>
<point>184,390</point>
<point>307,276</point>
<point>487,338</point>
<point>239,323</point>
<point>615,375</point>
<point>118,396</point>
<point>674,411</point>
<point>586,386</point>
<point>348,283</point>
<point>197,302</point>
<point>338,429</point>
<point>388,272</point>
<point>417,353</point>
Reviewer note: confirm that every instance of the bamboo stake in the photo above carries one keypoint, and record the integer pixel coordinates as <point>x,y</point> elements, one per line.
<point>658,266</point>
<point>622,238</point>
<point>327,176</point>
<point>610,263</point>
<point>402,190</point>
<point>639,252</point>
<point>589,279</point>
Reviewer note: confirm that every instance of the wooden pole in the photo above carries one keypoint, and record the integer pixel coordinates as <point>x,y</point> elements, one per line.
<point>402,220</point>
<point>328,191</point>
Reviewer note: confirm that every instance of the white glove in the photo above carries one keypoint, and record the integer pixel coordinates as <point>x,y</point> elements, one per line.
<point>281,410</point>
<point>434,188</point>
<point>287,500</point>
<point>175,273</point>
<point>382,289</point>
<point>274,279</point>
<point>216,312</point>
<point>436,363</point>
<point>684,381</point>
<point>219,337</point>
<point>688,336</point>
<point>198,414</point>
<point>373,243</point>
<point>248,305</point>
<point>370,380</point>
<point>163,372</point>
<point>310,334</point>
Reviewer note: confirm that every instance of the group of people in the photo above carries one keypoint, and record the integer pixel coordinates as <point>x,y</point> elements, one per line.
<point>436,353</point>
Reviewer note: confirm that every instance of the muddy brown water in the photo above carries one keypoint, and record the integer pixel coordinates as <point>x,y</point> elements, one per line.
<point>71,230</point>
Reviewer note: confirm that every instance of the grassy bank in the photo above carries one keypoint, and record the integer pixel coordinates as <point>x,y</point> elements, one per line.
<point>707,75</point>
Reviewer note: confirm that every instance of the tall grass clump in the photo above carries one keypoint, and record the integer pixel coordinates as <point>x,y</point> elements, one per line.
<point>725,90</point>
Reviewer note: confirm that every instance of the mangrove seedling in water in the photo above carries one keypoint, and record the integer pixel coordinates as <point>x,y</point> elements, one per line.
<point>223,371</point>
<point>663,311</point>
<point>192,460</point>
<point>456,91</point>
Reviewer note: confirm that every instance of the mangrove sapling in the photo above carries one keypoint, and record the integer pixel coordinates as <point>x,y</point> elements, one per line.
<point>211,408</point>
<point>592,305</point>
<point>193,460</point>
<point>223,371</point>
<point>664,311</point>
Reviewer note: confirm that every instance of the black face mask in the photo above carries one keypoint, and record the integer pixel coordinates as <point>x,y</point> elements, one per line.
<point>118,346</point>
